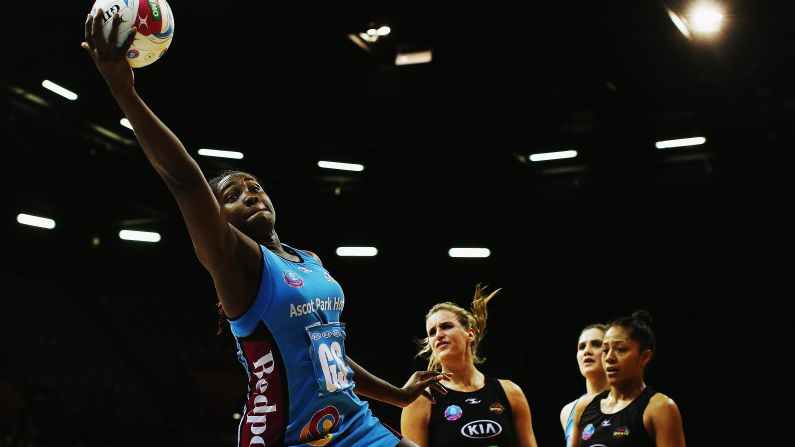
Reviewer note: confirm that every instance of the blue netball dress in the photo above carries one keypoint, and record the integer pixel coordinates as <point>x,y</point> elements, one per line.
<point>569,430</point>
<point>292,344</point>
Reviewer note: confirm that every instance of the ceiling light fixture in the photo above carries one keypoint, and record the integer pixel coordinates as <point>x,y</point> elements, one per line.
<point>139,236</point>
<point>35,221</point>
<point>221,154</point>
<point>357,251</point>
<point>341,166</point>
<point>705,18</point>
<point>53,87</point>
<point>682,142</point>
<point>413,57</point>
<point>546,156</point>
<point>469,252</point>
<point>678,22</point>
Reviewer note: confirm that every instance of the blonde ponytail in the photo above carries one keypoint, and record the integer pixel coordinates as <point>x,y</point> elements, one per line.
<point>474,319</point>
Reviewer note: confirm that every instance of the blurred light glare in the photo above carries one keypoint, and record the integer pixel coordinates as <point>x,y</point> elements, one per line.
<point>139,236</point>
<point>384,30</point>
<point>357,251</point>
<point>220,154</point>
<point>126,123</point>
<point>368,38</point>
<point>372,32</point>
<point>679,23</point>
<point>705,18</point>
<point>414,57</point>
<point>469,252</point>
<point>341,166</point>
<point>546,156</point>
<point>55,88</point>
<point>682,142</point>
<point>36,221</point>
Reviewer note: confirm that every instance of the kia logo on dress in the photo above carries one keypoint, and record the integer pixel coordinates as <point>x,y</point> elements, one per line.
<point>483,428</point>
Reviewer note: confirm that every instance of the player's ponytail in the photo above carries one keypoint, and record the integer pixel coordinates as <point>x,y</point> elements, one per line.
<point>474,319</point>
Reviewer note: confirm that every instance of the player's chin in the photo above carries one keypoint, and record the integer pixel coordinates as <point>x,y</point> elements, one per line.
<point>260,215</point>
<point>262,220</point>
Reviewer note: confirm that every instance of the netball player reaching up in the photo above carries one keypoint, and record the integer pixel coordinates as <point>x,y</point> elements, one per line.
<point>283,305</point>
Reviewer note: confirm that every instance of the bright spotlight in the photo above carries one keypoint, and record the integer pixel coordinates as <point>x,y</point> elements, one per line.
<point>705,18</point>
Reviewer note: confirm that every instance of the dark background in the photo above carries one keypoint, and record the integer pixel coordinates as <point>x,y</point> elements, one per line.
<point>106,342</point>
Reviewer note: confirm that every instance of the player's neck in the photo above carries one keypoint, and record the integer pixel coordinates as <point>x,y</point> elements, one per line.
<point>596,386</point>
<point>273,244</point>
<point>465,377</point>
<point>627,392</point>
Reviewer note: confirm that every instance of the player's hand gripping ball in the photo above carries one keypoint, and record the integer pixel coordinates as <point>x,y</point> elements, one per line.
<point>153,20</point>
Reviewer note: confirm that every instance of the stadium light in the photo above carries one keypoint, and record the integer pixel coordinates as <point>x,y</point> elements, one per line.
<point>546,156</point>
<point>221,154</point>
<point>139,236</point>
<point>53,87</point>
<point>35,221</point>
<point>470,252</point>
<point>341,166</point>
<point>682,142</point>
<point>357,251</point>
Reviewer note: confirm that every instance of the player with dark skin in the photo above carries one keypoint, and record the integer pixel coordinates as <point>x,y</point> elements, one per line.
<point>226,226</point>
<point>627,348</point>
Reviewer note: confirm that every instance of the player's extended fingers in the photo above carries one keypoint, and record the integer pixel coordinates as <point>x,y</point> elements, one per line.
<point>428,396</point>
<point>440,389</point>
<point>129,40</point>
<point>114,30</point>
<point>423,375</point>
<point>430,381</point>
<point>96,27</point>
<point>87,32</point>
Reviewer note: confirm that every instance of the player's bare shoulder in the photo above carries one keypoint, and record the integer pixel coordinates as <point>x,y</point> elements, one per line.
<point>662,404</point>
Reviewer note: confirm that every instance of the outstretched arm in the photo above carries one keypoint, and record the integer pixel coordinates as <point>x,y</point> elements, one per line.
<point>220,248</point>
<point>372,387</point>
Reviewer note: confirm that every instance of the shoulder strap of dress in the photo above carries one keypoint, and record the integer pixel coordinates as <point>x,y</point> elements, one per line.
<point>596,401</point>
<point>645,397</point>
<point>496,385</point>
<point>594,407</point>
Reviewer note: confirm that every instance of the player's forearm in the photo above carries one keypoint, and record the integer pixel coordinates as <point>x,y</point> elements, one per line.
<point>372,387</point>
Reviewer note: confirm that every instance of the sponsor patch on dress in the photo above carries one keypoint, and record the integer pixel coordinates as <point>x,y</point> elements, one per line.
<point>588,432</point>
<point>292,279</point>
<point>497,408</point>
<point>621,432</point>
<point>453,413</point>
<point>321,427</point>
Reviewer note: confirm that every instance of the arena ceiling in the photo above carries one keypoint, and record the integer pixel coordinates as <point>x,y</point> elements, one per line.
<point>445,145</point>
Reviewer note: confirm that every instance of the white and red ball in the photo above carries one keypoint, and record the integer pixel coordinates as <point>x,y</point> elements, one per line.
<point>152,18</point>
